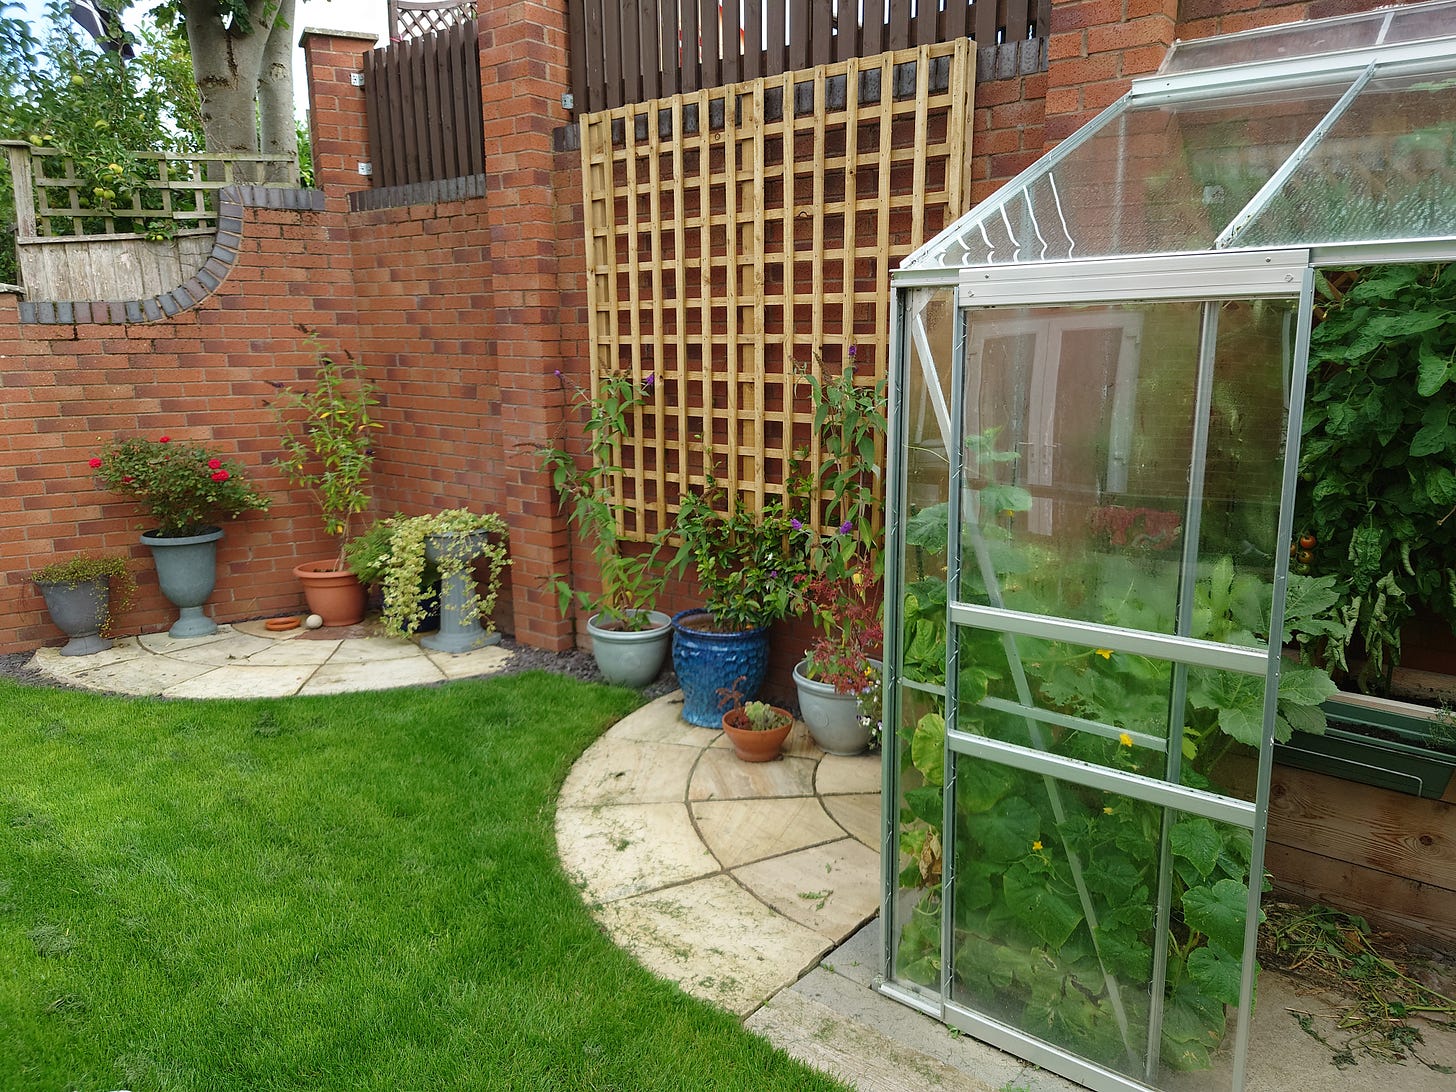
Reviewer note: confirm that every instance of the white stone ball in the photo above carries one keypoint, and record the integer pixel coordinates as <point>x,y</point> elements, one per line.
<point>313,621</point>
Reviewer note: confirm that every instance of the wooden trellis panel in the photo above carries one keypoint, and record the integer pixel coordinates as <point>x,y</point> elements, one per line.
<point>741,235</point>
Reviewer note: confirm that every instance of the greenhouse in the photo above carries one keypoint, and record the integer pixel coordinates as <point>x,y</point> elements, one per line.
<point>1095,379</point>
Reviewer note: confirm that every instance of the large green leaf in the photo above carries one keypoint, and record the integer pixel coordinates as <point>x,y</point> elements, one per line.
<point>1051,914</point>
<point>980,785</point>
<point>1300,684</point>
<point>1216,973</point>
<point>1005,833</point>
<point>1197,841</point>
<point>927,748</point>
<point>1218,912</point>
<point>929,529</point>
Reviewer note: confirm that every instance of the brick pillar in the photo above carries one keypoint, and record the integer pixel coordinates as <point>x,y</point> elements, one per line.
<point>1094,50</point>
<point>523,74</point>
<point>338,127</point>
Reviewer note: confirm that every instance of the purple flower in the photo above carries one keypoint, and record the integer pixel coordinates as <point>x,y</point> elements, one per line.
<point>853,351</point>
<point>647,383</point>
<point>846,527</point>
<point>557,373</point>
<point>797,525</point>
<point>773,575</point>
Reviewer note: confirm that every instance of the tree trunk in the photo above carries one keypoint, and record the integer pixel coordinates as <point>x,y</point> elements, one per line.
<point>277,128</point>
<point>228,63</point>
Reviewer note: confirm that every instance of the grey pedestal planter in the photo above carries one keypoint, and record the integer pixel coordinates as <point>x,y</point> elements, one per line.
<point>457,634</point>
<point>187,571</point>
<point>79,611</point>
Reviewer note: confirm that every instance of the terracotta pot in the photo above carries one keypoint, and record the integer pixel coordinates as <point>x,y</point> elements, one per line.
<point>334,595</point>
<point>753,746</point>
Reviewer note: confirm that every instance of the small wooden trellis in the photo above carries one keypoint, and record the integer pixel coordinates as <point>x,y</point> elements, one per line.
<point>742,235</point>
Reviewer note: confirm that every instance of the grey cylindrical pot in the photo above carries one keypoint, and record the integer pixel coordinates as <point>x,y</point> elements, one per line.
<point>631,657</point>
<point>187,572</point>
<point>79,610</point>
<point>832,717</point>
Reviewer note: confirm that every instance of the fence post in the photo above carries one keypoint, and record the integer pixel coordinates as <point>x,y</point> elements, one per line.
<point>18,151</point>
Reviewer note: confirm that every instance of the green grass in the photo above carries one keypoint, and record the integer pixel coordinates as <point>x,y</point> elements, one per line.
<point>354,892</point>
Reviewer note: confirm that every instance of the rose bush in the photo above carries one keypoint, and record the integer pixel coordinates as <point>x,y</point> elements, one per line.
<point>186,488</point>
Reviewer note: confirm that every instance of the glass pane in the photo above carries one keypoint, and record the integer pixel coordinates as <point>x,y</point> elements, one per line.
<point>1422,22</point>
<point>1056,911</point>
<point>929,319</point>
<point>1275,43</point>
<point>1386,170</point>
<point>1160,179</point>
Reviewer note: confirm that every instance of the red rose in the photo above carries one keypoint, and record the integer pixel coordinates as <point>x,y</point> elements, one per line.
<point>95,464</point>
<point>164,439</point>
<point>214,464</point>
<point>127,480</point>
<point>221,476</point>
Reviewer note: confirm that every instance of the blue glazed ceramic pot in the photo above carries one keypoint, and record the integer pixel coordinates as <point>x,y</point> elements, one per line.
<point>707,662</point>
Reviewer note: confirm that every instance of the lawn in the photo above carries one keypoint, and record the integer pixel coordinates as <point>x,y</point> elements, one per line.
<point>357,892</point>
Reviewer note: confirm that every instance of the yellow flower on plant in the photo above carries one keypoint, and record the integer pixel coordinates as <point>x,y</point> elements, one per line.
<point>858,578</point>
<point>1105,653</point>
<point>1106,811</point>
<point>1036,846</point>
<point>1125,739</point>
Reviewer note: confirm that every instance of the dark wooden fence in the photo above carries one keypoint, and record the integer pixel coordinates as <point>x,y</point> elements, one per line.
<point>627,51</point>
<point>423,101</point>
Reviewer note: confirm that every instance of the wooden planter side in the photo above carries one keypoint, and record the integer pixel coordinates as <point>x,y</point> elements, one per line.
<point>1388,856</point>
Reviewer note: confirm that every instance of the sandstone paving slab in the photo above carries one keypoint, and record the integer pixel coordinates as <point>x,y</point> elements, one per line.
<point>218,650</point>
<point>617,850</point>
<point>162,644</point>
<point>832,889</point>
<point>340,678</point>
<point>54,664</point>
<point>715,940</point>
<point>284,653</point>
<point>242,681</point>
<point>838,774</point>
<point>739,831</point>
<point>800,743</point>
<point>624,771</point>
<point>372,649</point>
<point>143,675</point>
<point>858,813</point>
<point>721,775</point>
<point>661,721</point>
<point>468,665</point>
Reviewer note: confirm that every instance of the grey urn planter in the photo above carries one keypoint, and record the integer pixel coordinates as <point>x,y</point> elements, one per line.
<point>631,657</point>
<point>187,572</point>
<point>79,611</point>
<point>832,718</point>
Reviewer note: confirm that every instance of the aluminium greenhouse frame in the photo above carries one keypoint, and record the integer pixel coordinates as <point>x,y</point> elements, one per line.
<point>1020,276</point>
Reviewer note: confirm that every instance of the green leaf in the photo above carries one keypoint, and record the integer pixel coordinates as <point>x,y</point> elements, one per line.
<point>1218,912</point>
<point>1216,973</point>
<point>1197,841</point>
<point>1050,914</point>
<point>926,804</point>
<point>1304,718</point>
<point>1434,370</point>
<point>1431,439</point>
<point>1007,832</point>
<point>980,785</point>
<point>1300,684</point>
<point>929,528</point>
<point>927,748</point>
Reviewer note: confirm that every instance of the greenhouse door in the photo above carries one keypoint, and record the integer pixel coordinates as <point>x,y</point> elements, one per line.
<point>1091,537</point>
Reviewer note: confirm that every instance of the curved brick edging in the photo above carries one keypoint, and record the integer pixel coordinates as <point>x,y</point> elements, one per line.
<point>230,201</point>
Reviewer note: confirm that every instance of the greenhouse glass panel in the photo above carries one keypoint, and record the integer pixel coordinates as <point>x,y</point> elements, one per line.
<point>1385,170</point>
<point>1154,179</point>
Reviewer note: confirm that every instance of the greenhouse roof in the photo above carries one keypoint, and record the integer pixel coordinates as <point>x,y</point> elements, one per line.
<point>1330,133</point>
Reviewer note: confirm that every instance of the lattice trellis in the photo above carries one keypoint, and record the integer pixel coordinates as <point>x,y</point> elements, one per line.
<point>416,18</point>
<point>740,235</point>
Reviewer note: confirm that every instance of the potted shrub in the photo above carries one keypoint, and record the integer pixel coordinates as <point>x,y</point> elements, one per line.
<point>187,490</point>
<point>841,591</point>
<point>452,541</point>
<point>748,564</point>
<point>629,635</point>
<point>327,450</point>
<point>78,596</point>
<point>756,729</point>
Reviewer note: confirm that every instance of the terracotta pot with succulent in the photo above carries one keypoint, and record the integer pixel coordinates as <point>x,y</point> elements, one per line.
<point>838,680</point>
<point>756,729</point>
<point>629,635</point>
<point>453,542</point>
<point>749,564</point>
<point>83,595</point>
<point>328,451</point>
<point>187,490</point>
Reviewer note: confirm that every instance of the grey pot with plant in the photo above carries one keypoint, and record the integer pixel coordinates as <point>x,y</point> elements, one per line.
<point>328,451</point>
<point>82,596</point>
<point>630,637</point>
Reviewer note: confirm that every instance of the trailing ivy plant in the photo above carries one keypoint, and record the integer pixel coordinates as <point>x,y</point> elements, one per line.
<point>1377,500</point>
